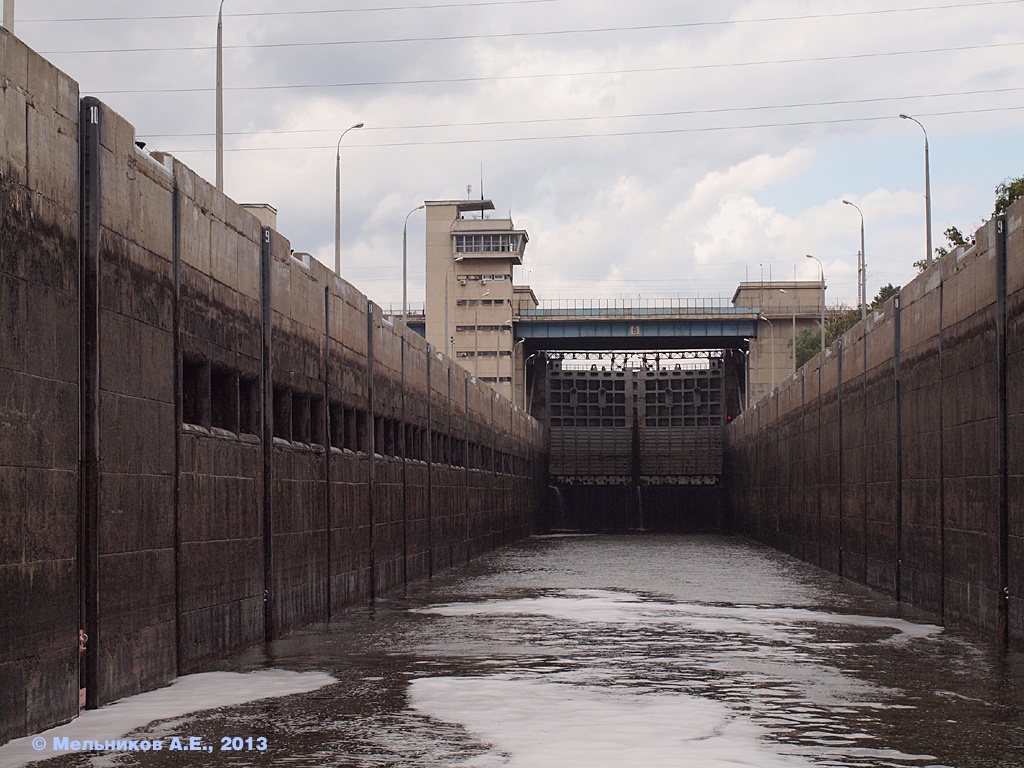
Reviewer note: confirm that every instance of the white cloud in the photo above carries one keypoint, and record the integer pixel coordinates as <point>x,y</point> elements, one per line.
<point>662,192</point>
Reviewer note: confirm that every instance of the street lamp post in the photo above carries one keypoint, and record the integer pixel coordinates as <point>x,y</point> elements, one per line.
<point>220,97</point>
<point>526,403</point>
<point>771,348</point>
<point>745,405</point>
<point>861,266</point>
<point>821,267</point>
<point>405,264</point>
<point>512,367</point>
<point>927,193</point>
<point>9,15</point>
<point>793,351</point>
<point>337,201</point>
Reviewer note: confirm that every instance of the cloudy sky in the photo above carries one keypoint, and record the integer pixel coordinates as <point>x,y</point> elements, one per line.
<point>653,148</point>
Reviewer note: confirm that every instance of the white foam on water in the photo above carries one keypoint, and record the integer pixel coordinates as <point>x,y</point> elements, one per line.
<point>601,606</point>
<point>537,724</point>
<point>188,694</point>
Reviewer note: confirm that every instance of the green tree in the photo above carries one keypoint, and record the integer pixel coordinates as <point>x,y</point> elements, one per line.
<point>954,239</point>
<point>1007,192</point>
<point>885,293</point>
<point>808,344</point>
<point>838,321</point>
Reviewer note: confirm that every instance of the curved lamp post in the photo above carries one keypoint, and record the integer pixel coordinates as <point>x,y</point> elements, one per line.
<point>405,264</point>
<point>927,193</point>
<point>337,202</point>
<point>862,282</point>
<point>822,269</point>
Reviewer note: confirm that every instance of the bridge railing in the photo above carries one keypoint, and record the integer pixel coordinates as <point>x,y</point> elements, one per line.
<point>637,307</point>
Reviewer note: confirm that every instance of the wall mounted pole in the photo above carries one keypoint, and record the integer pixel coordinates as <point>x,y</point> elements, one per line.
<point>89,350</point>
<point>220,97</point>
<point>267,431</point>
<point>1002,383</point>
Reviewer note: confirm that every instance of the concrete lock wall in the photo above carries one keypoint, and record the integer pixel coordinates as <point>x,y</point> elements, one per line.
<point>895,459</point>
<point>39,386</point>
<point>205,440</point>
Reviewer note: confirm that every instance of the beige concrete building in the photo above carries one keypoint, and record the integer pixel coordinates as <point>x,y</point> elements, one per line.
<point>470,300</point>
<point>785,309</point>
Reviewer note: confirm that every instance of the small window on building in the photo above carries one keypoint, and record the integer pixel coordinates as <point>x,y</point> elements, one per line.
<point>195,391</point>
<point>301,423</point>
<point>249,406</point>
<point>362,431</point>
<point>336,414</point>
<point>224,399</point>
<point>282,413</point>
<point>317,428</point>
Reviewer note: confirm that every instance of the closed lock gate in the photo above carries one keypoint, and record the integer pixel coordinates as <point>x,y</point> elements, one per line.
<point>636,426</point>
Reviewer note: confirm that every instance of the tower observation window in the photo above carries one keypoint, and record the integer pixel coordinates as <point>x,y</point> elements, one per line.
<point>506,243</point>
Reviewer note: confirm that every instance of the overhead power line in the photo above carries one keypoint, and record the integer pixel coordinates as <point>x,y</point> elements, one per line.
<point>587,118</point>
<point>535,33</point>
<point>549,75</point>
<point>320,12</point>
<point>618,134</point>
<point>486,4</point>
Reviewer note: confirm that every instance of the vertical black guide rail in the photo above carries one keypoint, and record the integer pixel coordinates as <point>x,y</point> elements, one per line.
<point>267,409</point>
<point>326,443</point>
<point>178,415</point>
<point>1003,583</point>
<point>89,372</point>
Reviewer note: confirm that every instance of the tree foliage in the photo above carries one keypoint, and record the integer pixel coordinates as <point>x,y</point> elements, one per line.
<point>885,293</point>
<point>808,344</point>
<point>1008,192</point>
<point>954,239</point>
<point>838,321</point>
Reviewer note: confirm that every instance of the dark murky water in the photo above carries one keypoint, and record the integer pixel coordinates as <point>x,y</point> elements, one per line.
<point>625,651</point>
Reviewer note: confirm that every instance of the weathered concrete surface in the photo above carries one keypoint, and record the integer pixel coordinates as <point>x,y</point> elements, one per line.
<point>249,446</point>
<point>39,329</point>
<point>910,462</point>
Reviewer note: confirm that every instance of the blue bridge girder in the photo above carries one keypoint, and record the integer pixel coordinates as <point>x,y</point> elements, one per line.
<point>636,328</point>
